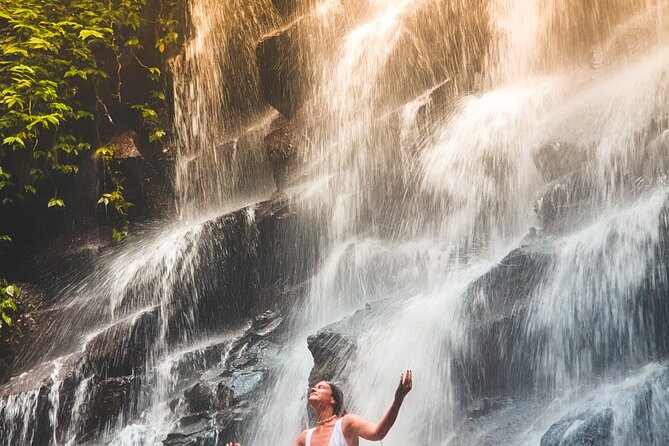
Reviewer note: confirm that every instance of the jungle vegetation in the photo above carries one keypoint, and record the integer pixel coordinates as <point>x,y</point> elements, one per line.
<point>62,66</point>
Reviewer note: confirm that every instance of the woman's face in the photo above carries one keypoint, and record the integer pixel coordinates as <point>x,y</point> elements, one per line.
<point>320,395</point>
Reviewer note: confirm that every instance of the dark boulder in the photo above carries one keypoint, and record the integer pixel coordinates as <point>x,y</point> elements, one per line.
<point>143,185</point>
<point>282,66</point>
<point>585,429</point>
<point>331,351</point>
<point>558,158</point>
<point>335,345</point>
<point>31,313</point>
<point>496,310</point>
<point>114,399</point>
<point>122,349</point>
<point>281,148</point>
<point>566,203</point>
<point>288,8</point>
<point>199,398</point>
<point>64,258</point>
<point>228,395</point>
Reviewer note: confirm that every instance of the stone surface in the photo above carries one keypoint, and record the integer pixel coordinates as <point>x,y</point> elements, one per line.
<point>199,398</point>
<point>227,396</point>
<point>114,399</point>
<point>285,7</point>
<point>280,145</point>
<point>31,313</point>
<point>585,429</point>
<point>559,158</point>
<point>496,312</point>
<point>284,79</point>
<point>122,349</point>
<point>144,186</point>
<point>566,203</point>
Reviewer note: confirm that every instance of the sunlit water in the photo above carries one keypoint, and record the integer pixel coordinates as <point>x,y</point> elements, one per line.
<point>421,167</point>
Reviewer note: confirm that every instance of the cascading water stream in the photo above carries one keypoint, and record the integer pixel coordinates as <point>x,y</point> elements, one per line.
<point>437,136</point>
<point>479,170</point>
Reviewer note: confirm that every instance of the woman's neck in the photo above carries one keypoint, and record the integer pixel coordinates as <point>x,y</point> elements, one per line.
<point>325,415</point>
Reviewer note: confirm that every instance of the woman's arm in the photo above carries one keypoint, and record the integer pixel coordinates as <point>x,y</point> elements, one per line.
<point>355,425</point>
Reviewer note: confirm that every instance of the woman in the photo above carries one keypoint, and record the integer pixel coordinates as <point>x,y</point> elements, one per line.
<point>337,428</point>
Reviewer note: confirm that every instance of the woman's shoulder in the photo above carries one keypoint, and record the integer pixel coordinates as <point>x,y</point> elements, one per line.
<point>348,420</point>
<point>302,438</point>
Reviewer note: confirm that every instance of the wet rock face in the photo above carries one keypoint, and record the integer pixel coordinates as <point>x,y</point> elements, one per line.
<point>228,395</point>
<point>242,259</point>
<point>555,159</point>
<point>199,398</point>
<point>26,323</point>
<point>289,8</point>
<point>584,429</point>
<point>336,345</point>
<point>280,75</point>
<point>122,349</point>
<point>496,310</point>
<point>280,146</point>
<point>575,188</point>
<point>564,199</point>
<point>144,186</point>
<point>113,399</point>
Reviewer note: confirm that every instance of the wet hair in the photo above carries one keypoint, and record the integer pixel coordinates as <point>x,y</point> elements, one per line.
<point>338,396</point>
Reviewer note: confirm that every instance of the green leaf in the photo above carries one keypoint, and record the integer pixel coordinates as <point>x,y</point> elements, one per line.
<point>41,44</point>
<point>67,168</point>
<point>157,135</point>
<point>22,69</point>
<point>56,202</point>
<point>31,189</point>
<point>134,43</point>
<point>158,95</point>
<point>10,290</point>
<point>104,152</point>
<point>74,72</point>
<point>82,114</point>
<point>5,238</point>
<point>118,235</point>
<point>11,101</point>
<point>155,73</point>
<point>14,140</point>
<point>6,318</point>
<point>11,49</point>
<point>87,33</point>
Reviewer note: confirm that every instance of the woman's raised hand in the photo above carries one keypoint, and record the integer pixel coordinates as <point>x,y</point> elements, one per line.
<point>404,387</point>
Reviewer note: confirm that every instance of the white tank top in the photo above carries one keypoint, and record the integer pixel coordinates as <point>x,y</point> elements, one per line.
<point>337,438</point>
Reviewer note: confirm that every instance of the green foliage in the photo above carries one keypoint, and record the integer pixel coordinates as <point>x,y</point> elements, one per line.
<point>57,59</point>
<point>114,198</point>
<point>42,45</point>
<point>55,56</point>
<point>8,293</point>
<point>60,72</point>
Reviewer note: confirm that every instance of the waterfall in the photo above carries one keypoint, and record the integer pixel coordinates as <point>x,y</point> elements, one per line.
<point>482,182</point>
<point>469,184</point>
<point>219,118</point>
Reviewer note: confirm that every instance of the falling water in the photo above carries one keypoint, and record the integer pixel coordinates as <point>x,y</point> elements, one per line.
<point>464,191</point>
<point>219,118</point>
<point>486,177</point>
